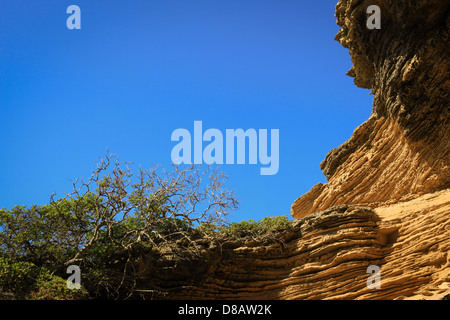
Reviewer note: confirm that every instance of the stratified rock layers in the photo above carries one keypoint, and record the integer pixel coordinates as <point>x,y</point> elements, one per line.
<point>387,200</point>
<point>402,151</point>
<point>324,255</point>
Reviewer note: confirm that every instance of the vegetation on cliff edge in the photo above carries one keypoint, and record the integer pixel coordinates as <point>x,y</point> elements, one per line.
<point>107,222</point>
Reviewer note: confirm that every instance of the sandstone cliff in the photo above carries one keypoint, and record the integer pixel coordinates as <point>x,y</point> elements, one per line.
<point>402,151</point>
<point>387,200</point>
<point>322,256</point>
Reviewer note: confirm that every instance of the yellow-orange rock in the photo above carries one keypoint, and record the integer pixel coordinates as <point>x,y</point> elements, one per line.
<point>324,255</point>
<point>387,200</point>
<point>402,150</point>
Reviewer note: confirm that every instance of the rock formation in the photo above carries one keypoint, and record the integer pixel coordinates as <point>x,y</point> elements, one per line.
<point>324,255</point>
<point>387,200</point>
<point>402,150</point>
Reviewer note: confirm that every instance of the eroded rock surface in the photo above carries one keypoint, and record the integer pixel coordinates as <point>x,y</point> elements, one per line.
<point>324,255</point>
<point>402,151</point>
<point>387,200</point>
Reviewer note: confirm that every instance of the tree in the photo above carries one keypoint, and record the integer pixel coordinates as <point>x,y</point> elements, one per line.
<point>114,213</point>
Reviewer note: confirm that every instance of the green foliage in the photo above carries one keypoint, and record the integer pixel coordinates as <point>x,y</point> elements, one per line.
<point>209,228</point>
<point>103,226</point>
<point>36,242</point>
<point>17,277</point>
<point>255,229</point>
<point>46,234</point>
<point>51,287</point>
<point>28,281</point>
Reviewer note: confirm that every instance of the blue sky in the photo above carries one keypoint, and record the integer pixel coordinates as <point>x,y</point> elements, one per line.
<point>137,70</point>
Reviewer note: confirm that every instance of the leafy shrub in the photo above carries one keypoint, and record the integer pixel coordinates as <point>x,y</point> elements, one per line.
<point>113,216</point>
<point>51,287</point>
<point>17,277</point>
<point>256,229</point>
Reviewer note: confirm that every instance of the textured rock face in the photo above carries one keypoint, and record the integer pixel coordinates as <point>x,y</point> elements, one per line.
<point>314,253</point>
<point>387,200</point>
<point>324,255</point>
<point>402,150</point>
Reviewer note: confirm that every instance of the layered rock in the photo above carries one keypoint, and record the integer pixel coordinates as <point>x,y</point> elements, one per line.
<point>327,251</point>
<point>324,255</point>
<point>402,150</point>
<point>387,200</point>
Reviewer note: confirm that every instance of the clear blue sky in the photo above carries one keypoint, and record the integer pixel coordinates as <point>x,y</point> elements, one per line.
<point>137,70</point>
